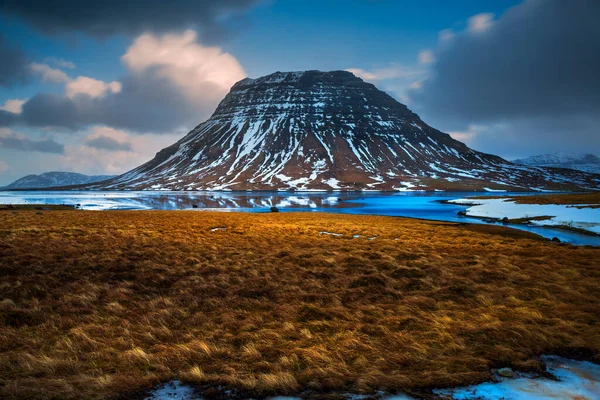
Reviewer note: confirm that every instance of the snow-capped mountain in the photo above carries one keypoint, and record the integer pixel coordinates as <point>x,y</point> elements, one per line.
<point>55,178</point>
<point>317,130</point>
<point>582,162</point>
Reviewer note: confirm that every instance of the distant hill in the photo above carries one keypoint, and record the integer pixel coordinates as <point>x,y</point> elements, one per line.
<point>55,178</point>
<point>581,162</point>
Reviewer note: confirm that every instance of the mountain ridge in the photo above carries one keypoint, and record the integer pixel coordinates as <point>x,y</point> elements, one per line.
<point>313,130</point>
<point>54,179</point>
<point>582,162</point>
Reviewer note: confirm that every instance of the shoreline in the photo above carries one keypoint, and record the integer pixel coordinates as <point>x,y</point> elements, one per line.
<point>566,212</point>
<point>490,221</point>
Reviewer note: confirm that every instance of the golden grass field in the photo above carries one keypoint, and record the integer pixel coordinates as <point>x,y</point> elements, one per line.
<point>106,304</point>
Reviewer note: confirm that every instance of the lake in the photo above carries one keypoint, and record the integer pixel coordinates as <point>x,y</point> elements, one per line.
<point>426,205</point>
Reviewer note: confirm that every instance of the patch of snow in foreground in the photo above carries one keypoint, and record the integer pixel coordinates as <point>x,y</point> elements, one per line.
<point>577,380</point>
<point>562,214</point>
<point>494,190</point>
<point>173,391</point>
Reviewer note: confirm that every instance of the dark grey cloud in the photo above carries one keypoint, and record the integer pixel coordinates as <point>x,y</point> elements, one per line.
<point>538,63</point>
<point>107,143</point>
<point>52,110</point>
<point>7,118</point>
<point>16,142</point>
<point>540,58</point>
<point>146,103</point>
<point>129,17</point>
<point>13,64</point>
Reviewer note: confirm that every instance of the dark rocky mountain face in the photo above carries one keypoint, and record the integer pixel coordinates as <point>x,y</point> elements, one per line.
<point>327,131</point>
<point>55,178</point>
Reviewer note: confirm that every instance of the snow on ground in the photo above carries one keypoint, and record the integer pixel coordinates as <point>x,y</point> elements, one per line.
<point>330,233</point>
<point>173,391</point>
<point>494,190</point>
<point>562,215</point>
<point>577,380</point>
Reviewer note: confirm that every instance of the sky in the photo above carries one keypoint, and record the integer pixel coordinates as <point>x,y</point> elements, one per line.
<point>100,87</point>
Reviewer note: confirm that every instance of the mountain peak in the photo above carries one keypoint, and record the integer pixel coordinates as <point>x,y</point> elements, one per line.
<point>310,77</point>
<point>314,130</point>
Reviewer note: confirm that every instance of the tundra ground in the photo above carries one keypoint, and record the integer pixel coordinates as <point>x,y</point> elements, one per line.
<point>97,304</point>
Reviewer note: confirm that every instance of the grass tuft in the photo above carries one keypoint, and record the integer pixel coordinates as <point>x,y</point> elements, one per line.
<point>97,304</point>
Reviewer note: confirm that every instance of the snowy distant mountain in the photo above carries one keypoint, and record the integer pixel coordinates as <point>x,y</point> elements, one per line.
<point>582,162</point>
<point>55,178</point>
<point>317,130</point>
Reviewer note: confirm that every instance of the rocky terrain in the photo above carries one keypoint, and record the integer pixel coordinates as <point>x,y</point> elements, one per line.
<point>317,130</point>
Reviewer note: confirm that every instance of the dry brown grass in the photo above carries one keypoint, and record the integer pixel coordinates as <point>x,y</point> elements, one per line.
<point>94,304</point>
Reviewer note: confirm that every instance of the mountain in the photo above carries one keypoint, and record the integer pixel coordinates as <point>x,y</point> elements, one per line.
<point>55,178</point>
<point>581,162</point>
<point>317,130</point>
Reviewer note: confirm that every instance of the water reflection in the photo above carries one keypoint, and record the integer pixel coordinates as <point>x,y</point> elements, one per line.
<point>426,205</point>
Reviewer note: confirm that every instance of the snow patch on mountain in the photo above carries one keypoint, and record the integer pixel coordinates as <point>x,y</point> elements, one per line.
<point>315,130</point>
<point>582,162</point>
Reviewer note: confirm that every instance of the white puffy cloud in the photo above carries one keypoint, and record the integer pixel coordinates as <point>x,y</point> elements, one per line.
<point>173,83</point>
<point>90,87</point>
<point>14,106</point>
<point>49,74</point>
<point>181,60</point>
<point>480,22</point>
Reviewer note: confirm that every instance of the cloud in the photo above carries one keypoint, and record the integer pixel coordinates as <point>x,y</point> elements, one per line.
<point>468,135</point>
<point>445,35</point>
<point>105,150</point>
<point>394,78</point>
<point>13,65</point>
<point>3,167</point>
<point>534,68</point>
<point>105,138</point>
<point>9,139</point>
<point>180,60</point>
<point>73,87</point>
<point>8,118</point>
<point>173,83</point>
<point>129,17</point>
<point>49,74</point>
<point>59,62</point>
<point>90,87</point>
<point>480,22</point>
<point>14,106</point>
<point>426,57</point>
<point>393,71</point>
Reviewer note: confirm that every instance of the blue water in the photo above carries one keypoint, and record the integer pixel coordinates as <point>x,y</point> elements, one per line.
<point>405,204</point>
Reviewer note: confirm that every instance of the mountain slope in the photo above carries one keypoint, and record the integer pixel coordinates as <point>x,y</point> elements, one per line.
<point>581,162</point>
<point>326,131</point>
<point>55,178</point>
